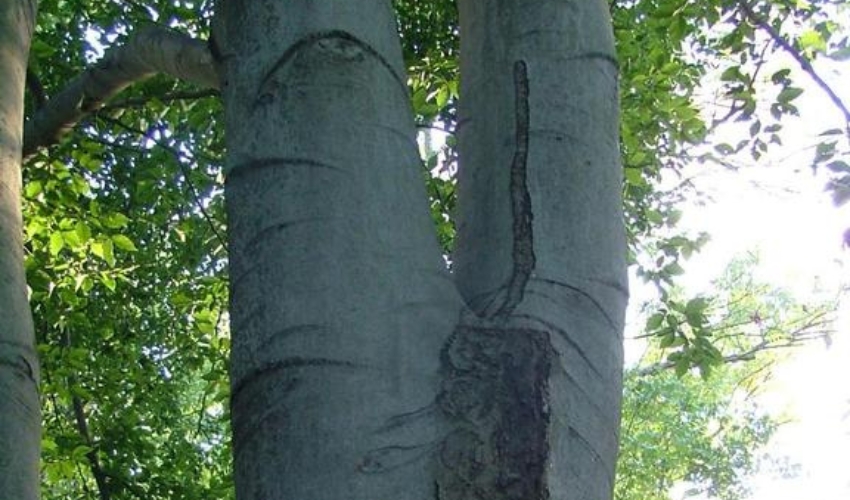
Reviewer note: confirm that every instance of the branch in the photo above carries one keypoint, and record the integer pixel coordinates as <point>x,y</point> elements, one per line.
<point>149,51</point>
<point>36,89</point>
<point>748,355</point>
<point>793,339</point>
<point>83,428</point>
<point>140,102</point>
<point>804,63</point>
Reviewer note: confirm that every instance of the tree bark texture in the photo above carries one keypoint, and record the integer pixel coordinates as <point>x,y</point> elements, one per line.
<point>360,367</point>
<point>340,300</point>
<point>541,245</point>
<point>20,414</point>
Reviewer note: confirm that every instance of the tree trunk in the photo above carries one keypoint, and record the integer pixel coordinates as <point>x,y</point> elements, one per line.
<point>340,300</point>
<point>358,371</point>
<point>541,245</point>
<point>20,417</point>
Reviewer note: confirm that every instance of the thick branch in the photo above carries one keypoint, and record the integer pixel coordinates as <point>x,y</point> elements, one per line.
<point>149,51</point>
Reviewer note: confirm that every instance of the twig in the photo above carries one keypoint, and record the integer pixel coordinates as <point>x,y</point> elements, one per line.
<point>804,63</point>
<point>178,157</point>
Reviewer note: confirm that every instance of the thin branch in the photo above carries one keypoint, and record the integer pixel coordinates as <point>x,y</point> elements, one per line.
<point>83,429</point>
<point>748,355</point>
<point>804,63</point>
<point>149,51</point>
<point>139,102</point>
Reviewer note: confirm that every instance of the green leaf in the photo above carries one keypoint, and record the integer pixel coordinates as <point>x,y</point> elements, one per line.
<point>103,248</point>
<point>812,40</point>
<point>731,74</point>
<point>842,54</point>
<point>108,281</point>
<point>33,189</point>
<point>681,366</point>
<point>124,243</point>
<point>116,221</point>
<point>56,243</point>
<point>780,76</point>
<point>674,269</point>
<point>838,166</point>
<point>35,228</point>
<point>724,149</point>
<point>755,128</point>
<point>696,305</point>
<point>72,240</point>
<point>654,322</point>
<point>788,94</point>
<point>82,281</point>
<point>83,232</point>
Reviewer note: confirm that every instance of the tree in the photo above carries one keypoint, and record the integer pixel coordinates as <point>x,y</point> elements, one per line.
<point>690,415</point>
<point>19,407</point>
<point>127,277</point>
<point>339,294</point>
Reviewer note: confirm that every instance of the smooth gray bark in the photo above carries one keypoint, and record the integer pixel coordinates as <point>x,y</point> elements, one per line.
<point>541,244</point>
<point>358,371</point>
<point>340,301</point>
<point>20,414</point>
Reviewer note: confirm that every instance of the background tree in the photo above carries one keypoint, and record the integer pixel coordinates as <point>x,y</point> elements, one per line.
<point>690,414</point>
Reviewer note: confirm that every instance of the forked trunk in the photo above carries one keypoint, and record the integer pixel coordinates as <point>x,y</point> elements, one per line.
<point>358,371</point>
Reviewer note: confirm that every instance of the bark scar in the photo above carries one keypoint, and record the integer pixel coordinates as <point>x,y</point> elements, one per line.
<point>324,38</point>
<point>521,210</point>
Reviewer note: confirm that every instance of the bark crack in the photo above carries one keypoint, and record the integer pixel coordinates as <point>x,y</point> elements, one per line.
<point>264,370</point>
<point>521,210</point>
<point>319,38</point>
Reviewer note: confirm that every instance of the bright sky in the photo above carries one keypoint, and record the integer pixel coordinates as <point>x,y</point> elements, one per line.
<point>780,209</point>
<point>797,231</point>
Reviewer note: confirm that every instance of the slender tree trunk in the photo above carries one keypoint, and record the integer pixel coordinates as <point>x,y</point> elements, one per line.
<point>20,418</point>
<point>340,300</point>
<point>541,245</point>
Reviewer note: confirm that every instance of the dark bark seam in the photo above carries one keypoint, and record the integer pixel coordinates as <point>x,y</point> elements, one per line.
<point>566,338</point>
<point>523,248</point>
<point>293,362</point>
<point>20,362</point>
<point>264,233</point>
<point>586,295</point>
<point>275,162</point>
<point>603,56</point>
